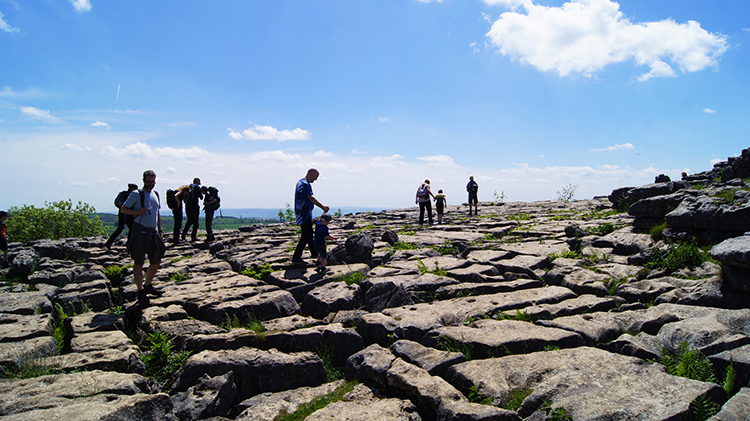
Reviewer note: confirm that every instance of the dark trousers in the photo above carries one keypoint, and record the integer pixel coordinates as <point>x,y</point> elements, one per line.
<point>422,207</point>
<point>192,213</point>
<point>121,222</point>
<point>209,221</point>
<point>305,240</point>
<point>177,213</point>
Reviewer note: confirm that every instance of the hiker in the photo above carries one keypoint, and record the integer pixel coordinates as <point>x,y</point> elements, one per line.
<point>145,237</point>
<point>122,219</point>
<point>176,207</point>
<point>472,187</point>
<point>304,203</point>
<point>321,235</point>
<point>4,238</point>
<point>423,199</point>
<point>210,204</point>
<point>192,209</point>
<point>440,204</point>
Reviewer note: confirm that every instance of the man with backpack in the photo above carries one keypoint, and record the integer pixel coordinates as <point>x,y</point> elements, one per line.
<point>122,219</point>
<point>174,202</point>
<point>192,209</point>
<point>472,187</point>
<point>145,237</point>
<point>304,203</point>
<point>424,201</point>
<point>210,204</point>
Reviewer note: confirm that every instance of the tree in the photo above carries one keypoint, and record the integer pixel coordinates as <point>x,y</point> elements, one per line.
<point>55,221</point>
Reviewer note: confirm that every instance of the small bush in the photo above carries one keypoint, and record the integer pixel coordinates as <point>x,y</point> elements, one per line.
<point>570,254</point>
<point>446,248</point>
<point>437,271</point>
<point>601,229</point>
<point>115,274</point>
<point>55,221</point>
<point>258,272</point>
<point>161,360</point>
<point>677,257</point>
<point>657,232</point>
<point>350,278</point>
<point>567,193</point>
<point>400,245</point>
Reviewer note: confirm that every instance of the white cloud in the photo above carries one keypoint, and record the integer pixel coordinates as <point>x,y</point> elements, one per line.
<point>6,27</point>
<point>75,147</point>
<point>182,124</point>
<point>709,111</point>
<point>81,5</point>
<point>272,133</point>
<point>322,154</point>
<point>170,170</point>
<point>620,147</point>
<point>273,156</point>
<point>234,135</point>
<point>383,119</point>
<point>584,36</point>
<point>386,161</point>
<point>145,150</point>
<point>38,113</point>
<point>357,151</point>
<point>441,160</point>
<point>100,124</point>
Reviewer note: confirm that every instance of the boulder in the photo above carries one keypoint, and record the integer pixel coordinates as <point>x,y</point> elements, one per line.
<point>330,298</point>
<point>211,396</point>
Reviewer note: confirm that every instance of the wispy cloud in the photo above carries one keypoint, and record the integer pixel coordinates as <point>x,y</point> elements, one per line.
<point>75,147</point>
<point>270,133</point>
<point>81,5</point>
<point>708,111</point>
<point>383,119</point>
<point>5,26</point>
<point>145,150</point>
<point>584,36</point>
<point>38,113</point>
<point>357,151</point>
<point>620,147</point>
<point>182,124</point>
<point>100,124</point>
<point>273,156</point>
<point>8,92</point>
<point>441,160</point>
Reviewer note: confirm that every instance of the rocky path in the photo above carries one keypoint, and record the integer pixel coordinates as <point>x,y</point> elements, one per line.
<point>531,311</point>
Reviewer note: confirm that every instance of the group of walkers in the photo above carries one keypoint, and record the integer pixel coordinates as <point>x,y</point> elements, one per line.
<point>425,204</point>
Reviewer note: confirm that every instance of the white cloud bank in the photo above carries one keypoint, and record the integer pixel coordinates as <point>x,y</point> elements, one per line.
<point>270,133</point>
<point>5,27</point>
<point>584,36</point>
<point>145,150</point>
<point>81,5</point>
<point>620,147</point>
<point>38,113</point>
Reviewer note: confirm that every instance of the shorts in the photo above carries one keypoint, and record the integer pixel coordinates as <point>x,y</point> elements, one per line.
<point>321,250</point>
<point>3,244</point>
<point>145,242</point>
<point>473,198</point>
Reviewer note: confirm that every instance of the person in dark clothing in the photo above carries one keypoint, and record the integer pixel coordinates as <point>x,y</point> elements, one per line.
<point>424,201</point>
<point>472,187</point>
<point>193,209</point>
<point>208,210</point>
<point>304,203</point>
<point>179,194</point>
<point>122,220</point>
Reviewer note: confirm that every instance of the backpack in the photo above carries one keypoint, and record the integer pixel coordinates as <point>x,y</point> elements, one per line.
<point>214,192</point>
<point>130,218</point>
<point>171,201</point>
<point>473,186</point>
<point>422,190</point>
<point>121,198</point>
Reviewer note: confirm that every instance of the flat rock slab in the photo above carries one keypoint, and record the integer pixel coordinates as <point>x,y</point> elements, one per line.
<point>578,305</point>
<point>13,353</point>
<point>97,341</point>
<point>488,338</point>
<point>122,359</point>
<point>331,297</point>
<point>267,406</point>
<point>522,263</point>
<point>589,383</point>
<point>473,288</point>
<point>16,327</point>
<point>256,371</point>
<point>413,322</point>
<point>356,408</point>
<point>65,390</point>
<point>25,303</point>
<point>435,361</point>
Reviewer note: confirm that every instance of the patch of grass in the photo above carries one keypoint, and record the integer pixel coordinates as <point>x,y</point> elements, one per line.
<point>305,410</point>
<point>521,316</point>
<point>678,256</point>
<point>449,344</point>
<point>557,414</point>
<point>400,245</point>
<point>249,322</point>
<point>179,277</point>
<point>115,274</point>
<point>58,326</point>
<point>366,227</point>
<point>258,272</point>
<point>657,232</point>
<point>726,195</point>
<point>447,248</point>
<point>515,398</point>
<point>475,396</point>
<point>437,271</point>
<point>177,259</point>
<point>350,278</point>
<point>569,254</point>
<point>601,229</point>
<point>161,360</point>
<point>612,287</point>
<point>523,216</point>
<point>327,355</point>
<point>27,366</point>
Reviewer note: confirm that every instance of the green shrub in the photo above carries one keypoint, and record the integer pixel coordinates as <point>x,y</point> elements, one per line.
<point>657,232</point>
<point>568,254</point>
<point>327,355</point>
<point>55,221</point>
<point>400,245</point>
<point>601,229</point>
<point>567,193</point>
<point>437,271</point>
<point>287,215</point>
<point>677,257</point>
<point>115,274</point>
<point>161,360</point>
<point>258,272</point>
<point>446,248</point>
<point>58,326</point>
<point>179,277</point>
<point>350,278</point>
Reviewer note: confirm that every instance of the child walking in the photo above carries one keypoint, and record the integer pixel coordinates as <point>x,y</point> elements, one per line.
<point>440,204</point>
<point>321,234</point>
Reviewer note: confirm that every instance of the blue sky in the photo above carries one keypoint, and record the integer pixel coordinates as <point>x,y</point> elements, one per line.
<point>526,95</point>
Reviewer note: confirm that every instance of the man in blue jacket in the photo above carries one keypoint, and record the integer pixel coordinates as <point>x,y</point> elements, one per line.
<point>304,203</point>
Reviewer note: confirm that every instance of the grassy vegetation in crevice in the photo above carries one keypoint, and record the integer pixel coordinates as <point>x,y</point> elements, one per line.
<point>307,409</point>
<point>161,360</point>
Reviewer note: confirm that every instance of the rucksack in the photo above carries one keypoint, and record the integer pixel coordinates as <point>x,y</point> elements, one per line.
<point>130,218</point>
<point>214,192</point>
<point>422,190</point>
<point>473,186</point>
<point>121,198</point>
<point>171,201</point>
